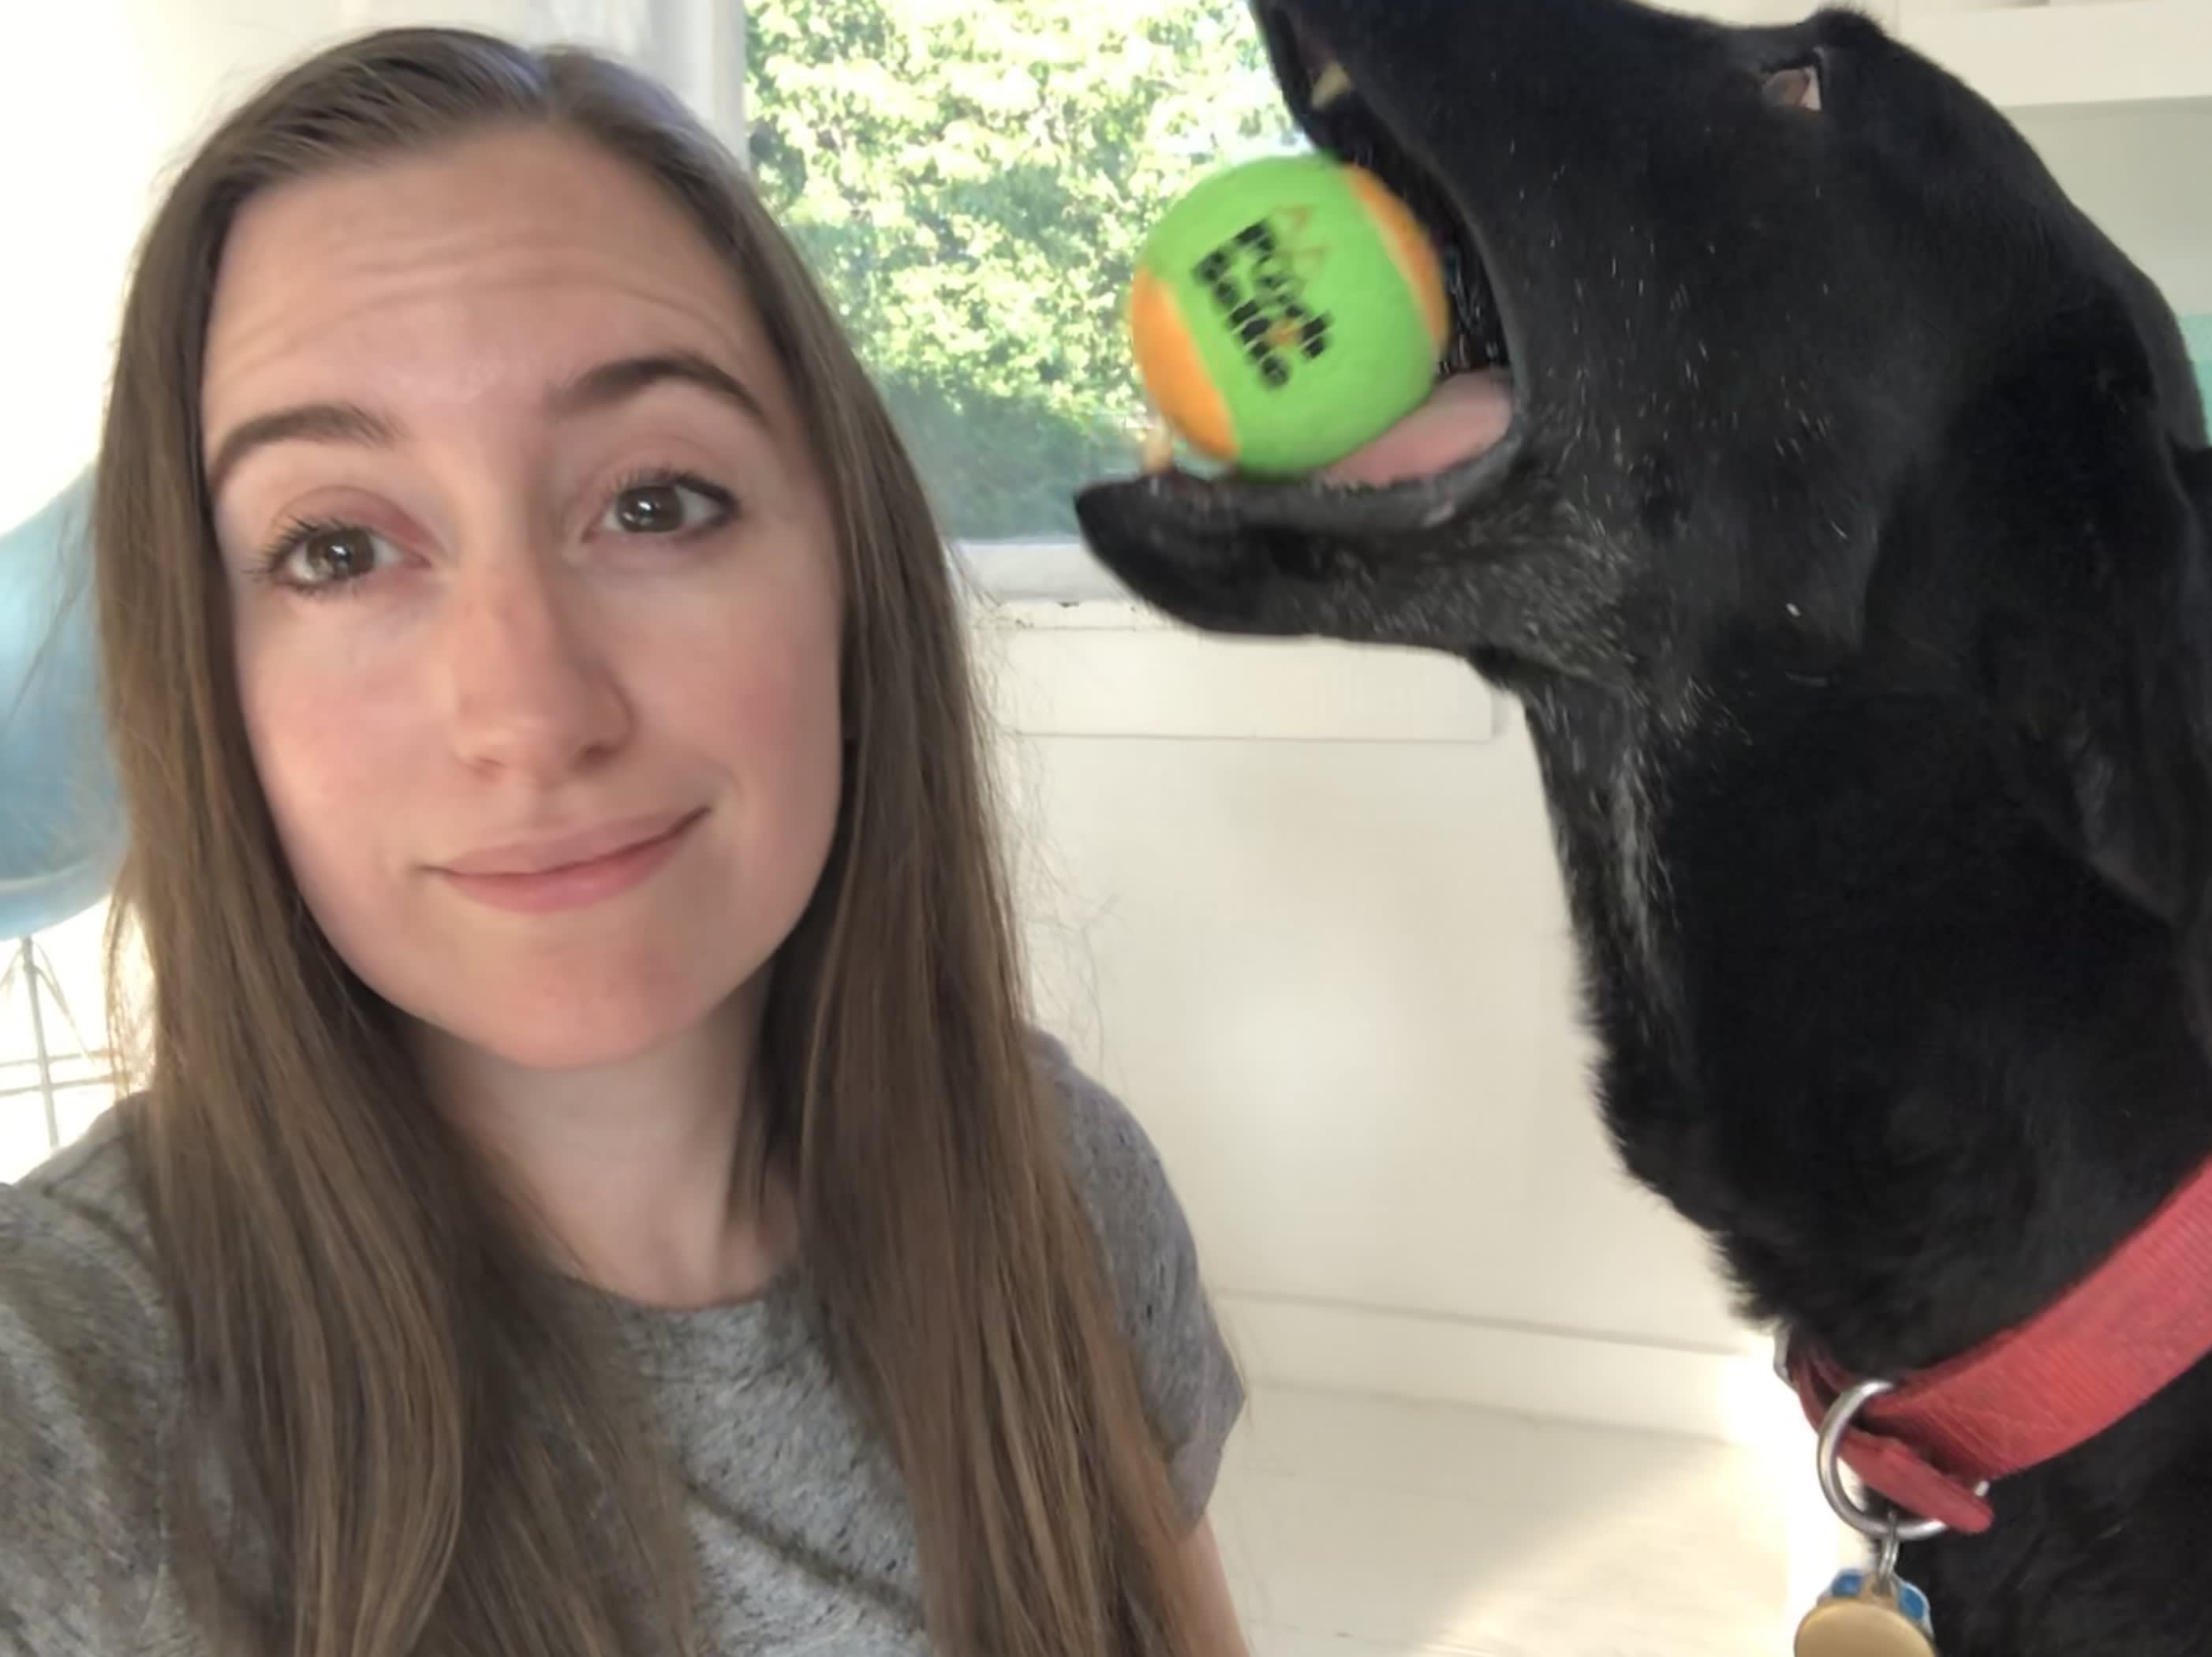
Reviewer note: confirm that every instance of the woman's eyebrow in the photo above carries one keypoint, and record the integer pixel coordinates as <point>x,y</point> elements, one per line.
<point>601,387</point>
<point>308,422</point>
<point>626,377</point>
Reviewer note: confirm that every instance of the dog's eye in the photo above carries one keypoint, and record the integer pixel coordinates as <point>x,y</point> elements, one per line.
<point>1797,87</point>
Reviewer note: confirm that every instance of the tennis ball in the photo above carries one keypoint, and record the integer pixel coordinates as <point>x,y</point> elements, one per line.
<point>1286,312</point>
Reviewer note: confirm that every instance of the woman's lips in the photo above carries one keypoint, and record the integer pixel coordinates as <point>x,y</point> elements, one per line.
<point>573,869</point>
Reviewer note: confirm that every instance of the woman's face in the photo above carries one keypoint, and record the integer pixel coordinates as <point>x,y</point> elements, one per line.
<point>535,590</point>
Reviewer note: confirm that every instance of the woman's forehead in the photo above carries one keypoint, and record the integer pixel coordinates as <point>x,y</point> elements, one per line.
<point>501,264</point>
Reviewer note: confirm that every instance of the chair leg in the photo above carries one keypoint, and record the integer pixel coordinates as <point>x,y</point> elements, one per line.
<point>30,966</point>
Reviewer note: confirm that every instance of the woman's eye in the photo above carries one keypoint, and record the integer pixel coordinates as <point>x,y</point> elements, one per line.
<point>667,506</point>
<point>319,556</point>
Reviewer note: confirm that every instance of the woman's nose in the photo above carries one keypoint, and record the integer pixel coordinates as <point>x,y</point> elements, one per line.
<point>531,689</point>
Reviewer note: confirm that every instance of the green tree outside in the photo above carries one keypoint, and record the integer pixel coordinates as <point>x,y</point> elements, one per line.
<point>972,180</point>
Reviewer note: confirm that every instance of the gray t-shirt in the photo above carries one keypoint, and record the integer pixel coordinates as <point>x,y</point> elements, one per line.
<point>801,1533</point>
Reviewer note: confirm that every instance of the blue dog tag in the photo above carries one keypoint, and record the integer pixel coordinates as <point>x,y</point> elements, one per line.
<point>1864,1614</point>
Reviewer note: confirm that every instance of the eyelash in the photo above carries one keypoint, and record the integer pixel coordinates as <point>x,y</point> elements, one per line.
<point>293,532</point>
<point>290,534</point>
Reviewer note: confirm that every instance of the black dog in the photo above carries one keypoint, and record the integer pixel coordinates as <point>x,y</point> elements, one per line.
<point>1850,552</point>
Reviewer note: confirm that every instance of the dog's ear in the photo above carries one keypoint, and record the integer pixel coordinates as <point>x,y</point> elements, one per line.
<point>2120,697</point>
<point>2178,781</point>
<point>2051,560</point>
<point>2090,562</point>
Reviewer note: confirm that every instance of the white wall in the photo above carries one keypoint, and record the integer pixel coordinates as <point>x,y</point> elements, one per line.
<point>1299,903</point>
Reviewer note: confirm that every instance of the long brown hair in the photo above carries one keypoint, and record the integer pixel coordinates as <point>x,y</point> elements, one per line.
<point>421,1454</point>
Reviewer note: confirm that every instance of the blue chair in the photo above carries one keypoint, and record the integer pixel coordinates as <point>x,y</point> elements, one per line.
<point>61,821</point>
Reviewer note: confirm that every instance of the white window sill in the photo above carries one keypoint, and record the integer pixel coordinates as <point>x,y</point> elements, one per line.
<point>1036,572</point>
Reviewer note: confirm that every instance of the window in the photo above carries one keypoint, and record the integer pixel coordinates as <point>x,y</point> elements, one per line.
<point>972,185</point>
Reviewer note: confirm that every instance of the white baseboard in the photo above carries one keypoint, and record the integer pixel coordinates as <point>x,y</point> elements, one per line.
<point>1613,1380</point>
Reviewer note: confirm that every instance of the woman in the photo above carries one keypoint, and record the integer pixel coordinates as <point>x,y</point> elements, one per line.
<point>594,1192</point>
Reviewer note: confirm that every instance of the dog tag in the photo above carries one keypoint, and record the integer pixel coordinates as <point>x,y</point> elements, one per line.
<point>1865,1615</point>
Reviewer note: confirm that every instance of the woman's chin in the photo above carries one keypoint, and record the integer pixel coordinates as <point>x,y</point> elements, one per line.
<point>575,1026</point>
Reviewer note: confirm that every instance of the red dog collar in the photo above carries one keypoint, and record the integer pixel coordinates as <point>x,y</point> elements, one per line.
<point>2139,1322</point>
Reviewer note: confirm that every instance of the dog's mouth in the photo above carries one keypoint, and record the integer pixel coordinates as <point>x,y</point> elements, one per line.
<point>1431,465</point>
<point>1473,407</point>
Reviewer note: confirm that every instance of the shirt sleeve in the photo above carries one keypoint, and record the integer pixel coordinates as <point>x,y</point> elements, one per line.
<point>80,1523</point>
<point>1191,1384</point>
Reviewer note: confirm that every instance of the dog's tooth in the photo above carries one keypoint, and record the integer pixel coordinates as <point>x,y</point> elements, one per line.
<point>1330,86</point>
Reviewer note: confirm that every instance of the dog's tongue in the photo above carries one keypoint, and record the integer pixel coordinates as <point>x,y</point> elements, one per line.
<point>1465,418</point>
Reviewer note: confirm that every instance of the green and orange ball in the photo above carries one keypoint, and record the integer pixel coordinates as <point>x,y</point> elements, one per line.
<point>1286,312</point>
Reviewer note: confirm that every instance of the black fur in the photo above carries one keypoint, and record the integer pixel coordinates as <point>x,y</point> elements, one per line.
<point>1850,559</point>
